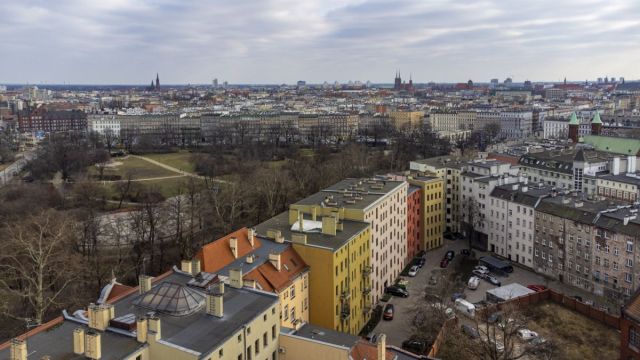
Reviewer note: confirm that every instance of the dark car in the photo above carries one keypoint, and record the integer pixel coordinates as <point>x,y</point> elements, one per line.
<point>397,291</point>
<point>388,312</point>
<point>466,252</point>
<point>449,255</point>
<point>444,263</point>
<point>449,236</point>
<point>493,318</point>
<point>420,262</point>
<point>578,297</point>
<point>421,254</point>
<point>416,346</point>
<point>471,331</point>
<point>493,280</point>
<point>458,235</point>
<point>457,296</point>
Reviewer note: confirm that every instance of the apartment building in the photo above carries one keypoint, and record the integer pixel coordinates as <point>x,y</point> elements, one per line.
<point>50,121</point>
<point>478,180</point>
<point>381,203</point>
<point>103,123</point>
<point>406,119</point>
<point>512,219</point>
<point>618,185</point>
<point>171,129</point>
<point>414,223</point>
<point>266,265</point>
<point>555,128</point>
<point>453,120</point>
<point>570,169</point>
<point>338,251</point>
<point>431,211</point>
<point>447,169</point>
<point>177,315</point>
<point>513,124</point>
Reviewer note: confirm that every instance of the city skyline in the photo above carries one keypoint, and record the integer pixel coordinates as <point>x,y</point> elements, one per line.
<point>274,42</point>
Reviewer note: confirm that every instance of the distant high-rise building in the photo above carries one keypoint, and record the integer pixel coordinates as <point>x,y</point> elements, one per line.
<point>599,80</point>
<point>508,81</point>
<point>301,83</point>
<point>215,83</point>
<point>495,81</point>
<point>225,84</point>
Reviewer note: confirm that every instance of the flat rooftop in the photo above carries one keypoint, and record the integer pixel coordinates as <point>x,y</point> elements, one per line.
<point>343,194</point>
<point>325,335</point>
<point>281,222</point>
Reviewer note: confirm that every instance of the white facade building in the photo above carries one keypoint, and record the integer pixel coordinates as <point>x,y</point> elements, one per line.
<point>100,124</point>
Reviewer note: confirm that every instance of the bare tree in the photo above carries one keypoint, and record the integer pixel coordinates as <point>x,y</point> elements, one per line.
<point>37,264</point>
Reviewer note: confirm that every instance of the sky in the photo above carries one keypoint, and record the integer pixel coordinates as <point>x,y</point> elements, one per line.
<point>282,41</point>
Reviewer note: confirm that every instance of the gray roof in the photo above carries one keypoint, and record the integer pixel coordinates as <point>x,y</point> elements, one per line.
<point>260,255</point>
<point>329,336</point>
<point>623,178</point>
<point>199,331</point>
<point>565,207</point>
<point>528,198</point>
<point>57,343</point>
<point>443,162</point>
<point>510,291</point>
<point>362,187</point>
<point>561,160</point>
<point>281,222</point>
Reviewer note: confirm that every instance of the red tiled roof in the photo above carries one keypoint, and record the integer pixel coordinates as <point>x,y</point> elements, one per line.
<point>39,329</point>
<point>118,289</point>
<point>217,254</point>
<point>131,290</point>
<point>364,350</point>
<point>270,279</point>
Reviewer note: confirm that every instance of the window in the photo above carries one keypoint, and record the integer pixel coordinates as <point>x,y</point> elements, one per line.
<point>634,337</point>
<point>629,263</point>
<point>629,246</point>
<point>239,337</point>
<point>220,353</point>
<point>286,312</point>
<point>257,346</point>
<point>273,332</point>
<point>265,342</point>
<point>249,355</point>
<point>293,292</point>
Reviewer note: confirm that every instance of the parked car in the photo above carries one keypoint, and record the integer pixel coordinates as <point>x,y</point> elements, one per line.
<point>466,307</point>
<point>471,331</point>
<point>449,236</point>
<point>413,271</point>
<point>466,252</point>
<point>473,282</point>
<point>421,254</point>
<point>578,297</point>
<point>527,335</point>
<point>482,268</point>
<point>493,280</point>
<point>538,341</point>
<point>416,346</point>
<point>458,235</point>
<point>479,274</point>
<point>537,288</point>
<point>402,283</point>
<point>420,262</point>
<point>493,318</point>
<point>450,255</point>
<point>457,296</point>
<point>397,291</point>
<point>388,312</point>
<point>444,263</point>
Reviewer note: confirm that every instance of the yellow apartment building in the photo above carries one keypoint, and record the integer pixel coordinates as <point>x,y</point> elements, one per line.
<point>432,210</point>
<point>338,252</point>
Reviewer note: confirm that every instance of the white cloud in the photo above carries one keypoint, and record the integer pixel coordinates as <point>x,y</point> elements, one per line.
<point>274,41</point>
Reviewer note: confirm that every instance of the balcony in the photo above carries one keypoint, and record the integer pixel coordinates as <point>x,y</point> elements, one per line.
<point>366,271</point>
<point>345,295</point>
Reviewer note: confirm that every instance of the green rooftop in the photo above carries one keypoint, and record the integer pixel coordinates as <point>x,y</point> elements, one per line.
<point>574,119</point>
<point>596,118</point>
<point>616,145</point>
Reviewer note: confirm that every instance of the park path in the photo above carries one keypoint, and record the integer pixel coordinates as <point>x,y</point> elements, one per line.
<point>165,166</point>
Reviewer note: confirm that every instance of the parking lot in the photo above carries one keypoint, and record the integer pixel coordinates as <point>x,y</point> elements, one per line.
<point>400,328</point>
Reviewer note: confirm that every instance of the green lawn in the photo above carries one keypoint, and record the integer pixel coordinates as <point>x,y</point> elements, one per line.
<point>167,187</point>
<point>179,160</point>
<point>138,168</point>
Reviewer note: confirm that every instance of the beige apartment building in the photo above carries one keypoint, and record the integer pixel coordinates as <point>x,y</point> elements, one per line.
<point>381,203</point>
<point>406,119</point>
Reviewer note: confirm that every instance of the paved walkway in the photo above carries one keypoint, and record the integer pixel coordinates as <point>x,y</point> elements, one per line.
<point>165,166</point>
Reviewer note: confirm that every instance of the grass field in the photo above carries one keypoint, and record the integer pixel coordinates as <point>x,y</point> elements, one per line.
<point>180,160</point>
<point>576,336</point>
<point>138,168</point>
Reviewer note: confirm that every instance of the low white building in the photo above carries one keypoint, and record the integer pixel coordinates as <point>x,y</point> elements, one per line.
<point>100,124</point>
<point>555,128</point>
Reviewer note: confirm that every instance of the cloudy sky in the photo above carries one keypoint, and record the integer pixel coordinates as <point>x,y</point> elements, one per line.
<point>281,41</point>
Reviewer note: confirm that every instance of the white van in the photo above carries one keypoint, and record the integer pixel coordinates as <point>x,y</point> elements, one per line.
<point>466,307</point>
<point>473,283</point>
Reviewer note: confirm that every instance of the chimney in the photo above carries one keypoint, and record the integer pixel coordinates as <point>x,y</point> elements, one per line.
<point>100,315</point>
<point>235,278</point>
<point>381,345</point>
<point>144,283</point>
<point>233,245</point>
<point>215,305</point>
<point>275,261</point>
<point>615,168</point>
<point>92,345</point>
<point>299,238</point>
<point>314,213</point>
<point>195,267</point>
<point>631,164</point>
<point>251,235</point>
<point>154,326</point>
<point>276,235</point>
<point>18,350</point>
<point>329,225</point>
<point>141,329</point>
<point>220,289</point>
<point>185,265</point>
<point>249,259</point>
<point>78,341</point>
<point>301,221</point>
<point>525,188</point>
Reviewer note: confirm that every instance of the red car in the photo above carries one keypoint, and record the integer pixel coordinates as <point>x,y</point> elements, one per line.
<point>537,288</point>
<point>444,263</point>
<point>388,312</point>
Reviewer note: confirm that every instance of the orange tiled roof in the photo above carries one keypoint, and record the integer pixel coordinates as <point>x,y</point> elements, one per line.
<point>633,307</point>
<point>118,289</point>
<point>270,279</point>
<point>217,254</point>
<point>364,350</point>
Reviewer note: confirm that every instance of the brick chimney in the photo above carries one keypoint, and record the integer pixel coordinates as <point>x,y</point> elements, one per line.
<point>275,261</point>
<point>144,283</point>
<point>235,278</point>
<point>185,265</point>
<point>381,345</point>
<point>18,350</point>
<point>233,245</point>
<point>251,236</point>
<point>93,345</point>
